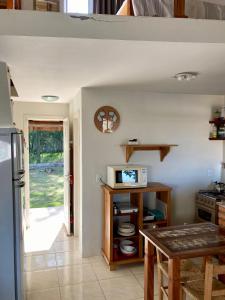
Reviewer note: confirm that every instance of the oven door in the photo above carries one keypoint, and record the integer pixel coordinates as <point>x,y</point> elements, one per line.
<point>205,214</point>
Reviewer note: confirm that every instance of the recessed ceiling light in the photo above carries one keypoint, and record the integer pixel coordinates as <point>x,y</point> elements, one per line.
<point>50,98</point>
<point>186,76</point>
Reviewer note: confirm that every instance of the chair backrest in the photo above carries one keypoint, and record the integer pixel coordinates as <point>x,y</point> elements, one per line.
<point>210,271</point>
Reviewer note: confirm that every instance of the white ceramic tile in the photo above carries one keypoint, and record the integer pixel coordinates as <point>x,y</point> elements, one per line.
<point>40,280</point>
<point>39,262</point>
<point>68,245</point>
<point>51,294</point>
<point>62,236</point>
<point>76,274</point>
<point>96,259</point>
<point>123,288</point>
<point>51,250</point>
<point>137,269</point>
<point>70,258</point>
<point>140,279</point>
<point>102,271</point>
<point>82,291</point>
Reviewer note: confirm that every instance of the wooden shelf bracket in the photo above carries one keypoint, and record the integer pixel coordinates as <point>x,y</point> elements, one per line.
<point>164,149</point>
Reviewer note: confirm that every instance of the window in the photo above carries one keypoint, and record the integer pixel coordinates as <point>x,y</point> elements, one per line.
<point>78,6</point>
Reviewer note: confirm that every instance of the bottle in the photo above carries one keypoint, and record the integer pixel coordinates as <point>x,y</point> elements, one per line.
<point>213,131</point>
<point>221,132</point>
<point>115,209</point>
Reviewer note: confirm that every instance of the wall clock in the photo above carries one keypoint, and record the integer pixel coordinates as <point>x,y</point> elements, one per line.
<point>107,119</point>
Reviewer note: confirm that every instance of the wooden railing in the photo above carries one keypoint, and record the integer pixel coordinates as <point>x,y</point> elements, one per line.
<point>127,9</point>
<point>10,4</point>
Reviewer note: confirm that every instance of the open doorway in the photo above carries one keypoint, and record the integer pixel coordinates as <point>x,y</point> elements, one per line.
<point>48,204</point>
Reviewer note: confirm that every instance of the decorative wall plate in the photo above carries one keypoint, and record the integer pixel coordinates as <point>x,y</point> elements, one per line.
<point>107,119</point>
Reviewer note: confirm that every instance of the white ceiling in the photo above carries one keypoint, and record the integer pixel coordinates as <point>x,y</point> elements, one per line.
<point>61,67</point>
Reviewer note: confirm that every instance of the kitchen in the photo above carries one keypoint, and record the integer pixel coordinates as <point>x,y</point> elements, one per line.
<point>181,118</point>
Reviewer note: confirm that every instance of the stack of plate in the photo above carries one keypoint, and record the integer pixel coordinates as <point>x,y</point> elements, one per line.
<point>128,247</point>
<point>126,229</point>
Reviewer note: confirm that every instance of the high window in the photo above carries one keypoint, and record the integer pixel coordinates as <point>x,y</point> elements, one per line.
<point>78,6</point>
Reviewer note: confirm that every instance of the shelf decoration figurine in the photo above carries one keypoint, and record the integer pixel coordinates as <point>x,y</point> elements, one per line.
<point>107,119</point>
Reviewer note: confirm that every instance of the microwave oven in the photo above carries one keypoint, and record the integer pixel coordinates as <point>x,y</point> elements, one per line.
<point>131,176</point>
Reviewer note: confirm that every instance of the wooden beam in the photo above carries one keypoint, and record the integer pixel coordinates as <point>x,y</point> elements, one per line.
<point>10,4</point>
<point>126,9</point>
<point>179,9</point>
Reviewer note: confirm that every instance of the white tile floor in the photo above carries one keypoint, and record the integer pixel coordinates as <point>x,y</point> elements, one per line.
<point>61,274</point>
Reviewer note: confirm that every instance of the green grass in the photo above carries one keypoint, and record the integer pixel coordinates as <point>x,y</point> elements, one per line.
<point>46,190</point>
<point>47,157</point>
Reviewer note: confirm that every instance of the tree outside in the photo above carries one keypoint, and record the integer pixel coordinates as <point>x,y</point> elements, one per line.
<point>46,168</point>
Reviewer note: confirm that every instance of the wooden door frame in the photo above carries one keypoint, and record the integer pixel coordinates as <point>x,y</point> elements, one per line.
<point>26,120</point>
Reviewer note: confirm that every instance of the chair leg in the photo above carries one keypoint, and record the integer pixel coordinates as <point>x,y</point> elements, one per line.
<point>183,294</point>
<point>160,284</point>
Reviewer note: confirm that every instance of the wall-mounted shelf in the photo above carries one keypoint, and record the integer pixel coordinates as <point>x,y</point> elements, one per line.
<point>163,148</point>
<point>217,139</point>
<point>220,129</point>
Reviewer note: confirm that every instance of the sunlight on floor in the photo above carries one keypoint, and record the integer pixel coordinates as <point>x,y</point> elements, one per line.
<point>45,225</point>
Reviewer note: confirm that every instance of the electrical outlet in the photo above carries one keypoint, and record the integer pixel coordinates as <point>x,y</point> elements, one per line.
<point>98,178</point>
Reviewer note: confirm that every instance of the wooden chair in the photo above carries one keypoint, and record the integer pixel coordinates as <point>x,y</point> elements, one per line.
<point>210,288</point>
<point>189,272</point>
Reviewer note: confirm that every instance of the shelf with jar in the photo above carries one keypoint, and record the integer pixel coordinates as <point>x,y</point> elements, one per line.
<point>217,125</point>
<point>217,130</point>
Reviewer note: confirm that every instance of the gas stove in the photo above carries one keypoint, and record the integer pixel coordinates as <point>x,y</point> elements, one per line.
<point>206,205</point>
<point>212,196</point>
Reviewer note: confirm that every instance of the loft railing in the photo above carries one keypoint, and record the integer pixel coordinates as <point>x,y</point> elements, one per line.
<point>10,4</point>
<point>47,5</point>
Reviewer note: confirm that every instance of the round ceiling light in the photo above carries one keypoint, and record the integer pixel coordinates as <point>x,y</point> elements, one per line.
<point>186,76</point>
<point>50,98</point>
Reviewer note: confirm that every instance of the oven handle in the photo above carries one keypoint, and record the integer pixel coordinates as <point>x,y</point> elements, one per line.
<point>210,210</point>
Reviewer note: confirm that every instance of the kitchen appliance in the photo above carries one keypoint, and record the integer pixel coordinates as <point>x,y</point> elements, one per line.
<point>126,176</point>
<point>11,214</point>
<point>206,205</point>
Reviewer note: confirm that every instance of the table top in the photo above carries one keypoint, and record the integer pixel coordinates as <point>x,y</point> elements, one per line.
<point>186,241</point>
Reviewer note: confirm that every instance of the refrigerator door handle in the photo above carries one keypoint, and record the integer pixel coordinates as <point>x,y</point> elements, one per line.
<point>20,184</point>
<point>21,172</point>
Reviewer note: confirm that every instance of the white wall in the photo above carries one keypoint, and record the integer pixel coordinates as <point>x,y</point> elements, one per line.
<point>23,109</point>
<point>5,102</point>
<point>152,118</point>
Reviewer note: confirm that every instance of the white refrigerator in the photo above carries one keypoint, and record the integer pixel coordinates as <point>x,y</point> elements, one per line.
<point>11,214</point>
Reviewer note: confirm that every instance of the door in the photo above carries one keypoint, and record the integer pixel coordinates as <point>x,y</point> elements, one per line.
<point>66,141</point>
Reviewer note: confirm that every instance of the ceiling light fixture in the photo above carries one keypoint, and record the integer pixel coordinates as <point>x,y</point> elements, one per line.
<point>186,76</point>
<point>50,98</point>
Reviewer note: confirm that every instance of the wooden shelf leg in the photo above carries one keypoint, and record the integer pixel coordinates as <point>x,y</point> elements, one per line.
<point>129,151</point>
<point>163,152</point>
<point>112,267</point>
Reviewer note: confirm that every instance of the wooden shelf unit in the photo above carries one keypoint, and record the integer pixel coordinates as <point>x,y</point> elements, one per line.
<point>163,148</point>
<point>109,234</point>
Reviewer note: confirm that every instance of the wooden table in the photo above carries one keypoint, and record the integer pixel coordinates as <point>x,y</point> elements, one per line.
<point>176,243</point>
